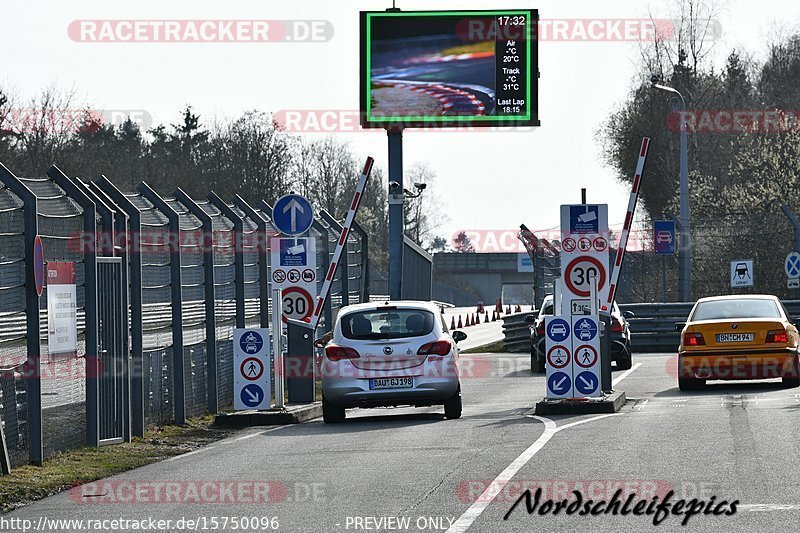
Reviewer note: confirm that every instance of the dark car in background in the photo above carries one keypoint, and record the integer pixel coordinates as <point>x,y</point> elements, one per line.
<point>620,336</point>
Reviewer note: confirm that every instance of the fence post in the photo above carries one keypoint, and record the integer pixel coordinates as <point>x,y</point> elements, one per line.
<point>33,372</point>
<point>132,245</point>
<point>364,261</point>
<point>178,377</point>
<point>261,249</point>
<point>90,291</point>
<point>238,256</point>
<point>210,297</point>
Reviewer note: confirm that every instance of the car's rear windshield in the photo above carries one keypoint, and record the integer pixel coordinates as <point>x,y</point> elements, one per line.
<point>387,324</point>
<point>735,309</point>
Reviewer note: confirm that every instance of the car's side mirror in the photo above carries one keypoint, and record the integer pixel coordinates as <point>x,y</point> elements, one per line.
<point>628,314</point>
<point>530,319</point>
<point>679,326</point>
<point>459,335</point>
<point>321,342</point>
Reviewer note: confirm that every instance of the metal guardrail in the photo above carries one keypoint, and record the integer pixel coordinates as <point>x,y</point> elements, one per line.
<point>516,332</point>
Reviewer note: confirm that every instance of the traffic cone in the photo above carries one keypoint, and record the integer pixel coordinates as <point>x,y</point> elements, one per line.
<point>453,322</point>
<point>508,309</point>
<point>486,317</point>
<point>460,324</point>
<point>494,316</point>
<point>498,306</point>
<point>477,319</point>
<point>517,309</point>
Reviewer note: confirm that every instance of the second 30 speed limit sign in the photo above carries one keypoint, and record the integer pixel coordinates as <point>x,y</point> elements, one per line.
<point>297,304</point>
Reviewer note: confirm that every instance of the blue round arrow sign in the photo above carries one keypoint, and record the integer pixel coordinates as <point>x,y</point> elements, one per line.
<point>586,382</point>
<point>559,383</point>
<point>252,395</point>
<point>292,214</point>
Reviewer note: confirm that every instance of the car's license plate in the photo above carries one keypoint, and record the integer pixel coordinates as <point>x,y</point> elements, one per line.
<point>391,383</point>
<point>735,337</point>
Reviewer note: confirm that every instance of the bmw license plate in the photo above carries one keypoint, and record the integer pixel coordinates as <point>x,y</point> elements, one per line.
<point>391,383</point>
<point>735,337</point>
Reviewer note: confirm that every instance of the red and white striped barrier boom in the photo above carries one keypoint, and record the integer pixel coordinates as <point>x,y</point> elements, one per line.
<point>626,230</point>
<point>340,246</point>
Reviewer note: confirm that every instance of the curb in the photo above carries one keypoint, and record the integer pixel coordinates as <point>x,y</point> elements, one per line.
<point>294,414</point>
<point>611,403</point>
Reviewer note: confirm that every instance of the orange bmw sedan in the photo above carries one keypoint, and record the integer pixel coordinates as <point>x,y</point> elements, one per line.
<point>738,338</point>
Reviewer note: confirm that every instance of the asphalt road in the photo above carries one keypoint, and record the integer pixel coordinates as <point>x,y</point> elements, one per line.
<point>732,441</point>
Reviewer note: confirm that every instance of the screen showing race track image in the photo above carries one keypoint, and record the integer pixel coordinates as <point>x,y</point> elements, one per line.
<point>444,67</point>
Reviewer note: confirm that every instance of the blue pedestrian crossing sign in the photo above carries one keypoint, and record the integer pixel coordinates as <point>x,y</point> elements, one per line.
<point>586,329</point>
<point>586,382</point>
<point>252,395</point>
<point>558,329</point>
<point>559,384</point>
<point>792,265</point>
<point>292,214</point>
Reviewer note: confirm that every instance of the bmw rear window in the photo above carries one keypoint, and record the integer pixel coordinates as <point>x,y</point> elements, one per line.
<point>388,323</point>
<point>736,309</point>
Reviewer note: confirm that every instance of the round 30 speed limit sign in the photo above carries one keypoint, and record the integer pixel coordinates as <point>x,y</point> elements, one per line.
<point>580,272</point>
<point>297,304</point>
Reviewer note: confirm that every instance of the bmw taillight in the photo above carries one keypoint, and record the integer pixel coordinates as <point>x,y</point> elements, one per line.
<point>337,353</point>
<point>540,330</point>
<point>616,326</point>
<point>441,347</point>
<point>693,339</point>
<point>777,335</point>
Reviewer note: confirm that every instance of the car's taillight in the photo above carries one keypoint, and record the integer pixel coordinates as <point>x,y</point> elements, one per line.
<point>777,335</point>
<point>693,339</point>
<point>441,347</point>
<point>616,326</point>
<point>540,330</point>
<point>337,353</point>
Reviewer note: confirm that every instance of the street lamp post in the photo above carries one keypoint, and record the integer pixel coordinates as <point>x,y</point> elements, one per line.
<point>684,221</point>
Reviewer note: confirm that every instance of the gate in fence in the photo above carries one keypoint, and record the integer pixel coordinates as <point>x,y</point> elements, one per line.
<point>112,351</point>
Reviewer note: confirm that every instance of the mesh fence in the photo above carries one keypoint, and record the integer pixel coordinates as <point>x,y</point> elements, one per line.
<point>13,403</point>
<point>156,313</point>
<point>61,227</point>
<point>717,244</point>
<point>63,384</point>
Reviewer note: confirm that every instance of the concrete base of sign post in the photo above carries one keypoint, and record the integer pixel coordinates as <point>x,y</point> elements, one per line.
<point>293,414</point>
<point>610,403</point>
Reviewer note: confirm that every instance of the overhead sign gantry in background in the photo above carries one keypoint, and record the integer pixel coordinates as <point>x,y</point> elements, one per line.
<point>443,69</point>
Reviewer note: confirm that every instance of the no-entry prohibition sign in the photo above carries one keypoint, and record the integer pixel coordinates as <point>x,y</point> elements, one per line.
<point>579,275</point>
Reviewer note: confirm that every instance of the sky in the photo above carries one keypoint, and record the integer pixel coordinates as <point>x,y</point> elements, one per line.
<point>486,180</point>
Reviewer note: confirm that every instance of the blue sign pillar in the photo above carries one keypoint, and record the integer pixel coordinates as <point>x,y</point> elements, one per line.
<point>396,229</point>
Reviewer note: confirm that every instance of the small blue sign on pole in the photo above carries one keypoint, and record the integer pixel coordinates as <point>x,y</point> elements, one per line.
<point>559,383</point>
<point>664,236</point>
<point>586,382</point>
<point>292,214</point>
<point>252,395</point>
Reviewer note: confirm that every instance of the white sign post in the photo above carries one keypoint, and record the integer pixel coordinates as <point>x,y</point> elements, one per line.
<point>294,271</point>
<point>251,369</point>
<point>62,322</point>
<point>742,273</point>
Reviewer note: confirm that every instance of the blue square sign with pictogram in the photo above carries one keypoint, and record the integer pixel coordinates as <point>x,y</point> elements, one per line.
<point>293,252</point>
<point>584,219</point>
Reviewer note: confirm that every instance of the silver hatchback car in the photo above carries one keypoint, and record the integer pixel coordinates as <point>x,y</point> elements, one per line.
<point>390,354</point>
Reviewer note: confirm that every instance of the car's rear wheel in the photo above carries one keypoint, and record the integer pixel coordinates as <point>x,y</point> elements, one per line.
<point>537,366</point>
<point>331,414</point>
<point>452,407</point>
<point>690,383</point>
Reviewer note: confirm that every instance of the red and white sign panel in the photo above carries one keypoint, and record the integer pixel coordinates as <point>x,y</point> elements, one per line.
<point>294,264</point>
<point>62,320</point>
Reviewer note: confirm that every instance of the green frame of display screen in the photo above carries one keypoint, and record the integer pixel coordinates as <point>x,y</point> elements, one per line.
<point>531,118</point>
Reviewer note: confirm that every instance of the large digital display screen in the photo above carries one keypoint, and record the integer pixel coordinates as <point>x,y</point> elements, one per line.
<point>449,68</point>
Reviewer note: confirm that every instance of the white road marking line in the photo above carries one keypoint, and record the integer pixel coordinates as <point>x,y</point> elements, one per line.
<point>640,407</point>
<point>250,436</point>
<point>187,454</point>
<point>762,507</point>
<point>625,374</point>
<point>470,515</point>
